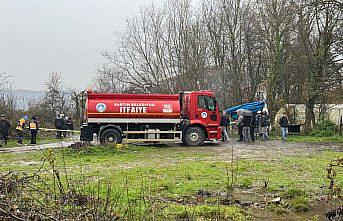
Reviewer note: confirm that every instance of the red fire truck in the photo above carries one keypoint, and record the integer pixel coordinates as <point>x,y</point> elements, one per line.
<point>190,117</point>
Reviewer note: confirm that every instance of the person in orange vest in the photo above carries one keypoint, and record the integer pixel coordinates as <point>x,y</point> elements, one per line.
<point>22,122</point>
<point>20,133</point>
<point>33,125</point>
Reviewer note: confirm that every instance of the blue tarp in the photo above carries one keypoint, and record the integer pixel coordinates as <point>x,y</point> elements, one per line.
<point>253,107</point>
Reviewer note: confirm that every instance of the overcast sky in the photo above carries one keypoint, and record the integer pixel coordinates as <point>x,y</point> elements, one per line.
<point>42,36</point>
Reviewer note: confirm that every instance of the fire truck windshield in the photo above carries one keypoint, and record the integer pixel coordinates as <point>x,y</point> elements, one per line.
<point>206,102</point>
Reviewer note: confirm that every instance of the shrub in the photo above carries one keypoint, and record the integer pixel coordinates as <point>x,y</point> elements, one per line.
<point>324,128</point>
<point>300,204</point>
<point>293,193</point>
<point>247,183</point>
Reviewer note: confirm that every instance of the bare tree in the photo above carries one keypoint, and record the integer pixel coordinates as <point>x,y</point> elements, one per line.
<point>235,49</point>
<point>77,106</point>
<point>163,50</point>
<point>322,21</point>
<point>276,22</point>
<point>7,100</point>
<point>109,80</point>
<point>55,96</point>
<point>5,82</point>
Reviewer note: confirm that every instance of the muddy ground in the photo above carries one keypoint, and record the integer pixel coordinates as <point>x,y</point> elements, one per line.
<point>261,150</point>
<point>254,201</point>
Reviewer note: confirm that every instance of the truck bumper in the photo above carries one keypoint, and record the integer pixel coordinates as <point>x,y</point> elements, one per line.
<point>214,133</point>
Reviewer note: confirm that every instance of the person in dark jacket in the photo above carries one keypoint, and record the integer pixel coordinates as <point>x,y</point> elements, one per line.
<point>284,126</point>
<point>246,128</point>
<point>70,125</point>
<point>240,126</point>
<point>265,125</point>
<point>64,126</point>
<point>4,128</point>
<point>59,126</point>
<point>252,128</point>
<point>223,126</point>
<point>33,125</point>
<point>258,123</point>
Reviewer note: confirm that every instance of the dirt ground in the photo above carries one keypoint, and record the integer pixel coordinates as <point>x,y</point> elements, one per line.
<point>269,151</point>
<point>259,150</point>
<point>262,150</point>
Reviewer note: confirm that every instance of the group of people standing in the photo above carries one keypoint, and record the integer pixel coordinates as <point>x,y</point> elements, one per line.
<point>22,125</point>
<point>63,126</point>
<point>248,124</point>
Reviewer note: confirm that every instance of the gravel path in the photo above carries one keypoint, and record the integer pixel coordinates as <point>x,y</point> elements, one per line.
<point>20,149</point>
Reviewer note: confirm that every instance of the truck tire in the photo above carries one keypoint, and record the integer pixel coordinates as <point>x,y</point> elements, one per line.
<point>110,136</point>
<point>183,140</point>
<point>194,136</point>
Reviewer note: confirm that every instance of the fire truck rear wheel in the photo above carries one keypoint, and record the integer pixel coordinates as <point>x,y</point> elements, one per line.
<point>195,136</point>
<point>110,136</point>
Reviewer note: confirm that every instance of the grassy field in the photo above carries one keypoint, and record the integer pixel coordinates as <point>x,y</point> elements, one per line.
<point>303,138</point>
<point>227,182</point>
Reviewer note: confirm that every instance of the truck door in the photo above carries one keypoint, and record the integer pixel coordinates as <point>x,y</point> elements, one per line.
<point>207,109</point>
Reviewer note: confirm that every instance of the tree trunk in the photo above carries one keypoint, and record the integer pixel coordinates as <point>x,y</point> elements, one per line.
<point>310,117</point>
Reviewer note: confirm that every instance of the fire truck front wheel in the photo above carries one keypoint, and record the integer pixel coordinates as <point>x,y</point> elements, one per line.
<point>194,136</point>
<point>110,136</point>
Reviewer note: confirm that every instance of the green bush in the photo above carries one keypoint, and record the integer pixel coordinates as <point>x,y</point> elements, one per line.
<point>247,183</point>
<point>324,128</point>
<point>300,204</point>
<point>293,193</point>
